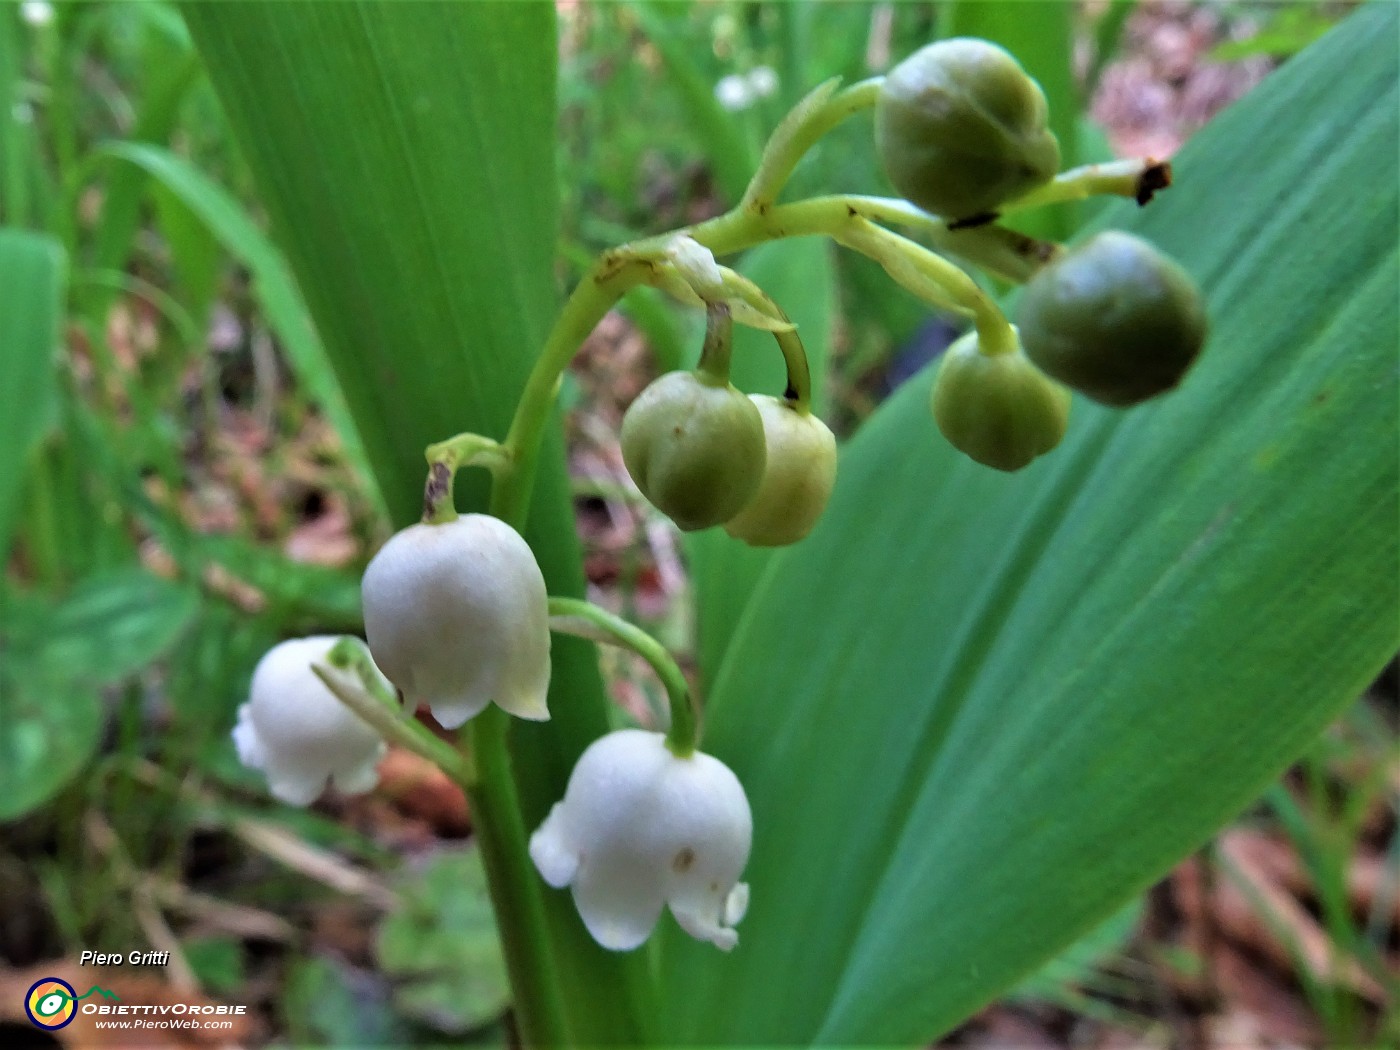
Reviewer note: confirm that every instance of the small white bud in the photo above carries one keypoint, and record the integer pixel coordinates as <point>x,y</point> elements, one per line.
<point>640,828</point>
<point>457,615</point>
<point>296,731</point>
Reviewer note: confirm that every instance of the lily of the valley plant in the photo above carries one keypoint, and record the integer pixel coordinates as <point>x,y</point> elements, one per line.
<point>457,616</point>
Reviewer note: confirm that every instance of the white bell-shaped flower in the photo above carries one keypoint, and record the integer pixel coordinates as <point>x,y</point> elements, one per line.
<point>640,828</point>
<point>295,730</point>
<point>457,615</point>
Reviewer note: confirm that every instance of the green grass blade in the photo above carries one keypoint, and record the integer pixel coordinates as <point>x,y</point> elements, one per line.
<point>32,274</point>
<point>276,287</point>
<point>725,143</point>
<point>405,153</point>
<point>976,713</point>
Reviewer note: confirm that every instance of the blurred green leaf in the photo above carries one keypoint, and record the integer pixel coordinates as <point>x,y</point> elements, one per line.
<point>49,728</point>
<point>1108,35</point>
<point>726,145</point>
<point>217,962</point>
<point>405,154</point>
<point>109,626</point>
<point>53,658</point>
<point>1290,28</point>
<point>32,273</point>
<point>329,1004</point>
<point>976,713</point>
<point>440,947</point>
<point>797,275</point>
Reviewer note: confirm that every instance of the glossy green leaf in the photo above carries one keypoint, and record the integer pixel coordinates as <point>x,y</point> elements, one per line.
<point>32,272</point>
<point>975,713</point>
<point>798,276</point>
<point>405,154</point>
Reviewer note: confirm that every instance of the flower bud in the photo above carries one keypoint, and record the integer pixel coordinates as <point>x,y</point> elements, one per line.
<point>998,409</point>
<point>694,446</point>
<point>960,128</point>
<point>457,616</point>
<point>640,828</point>
<point>296,731</point>
<point>797,479</point>
<point>1114,318</point>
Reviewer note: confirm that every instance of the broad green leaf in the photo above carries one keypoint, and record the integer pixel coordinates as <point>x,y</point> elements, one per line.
<point>32,272</point>
<point>441,949</point>
<point>976,713</point>
<point>405,155</point>
<point>222,212</point>
<point>798,276</point>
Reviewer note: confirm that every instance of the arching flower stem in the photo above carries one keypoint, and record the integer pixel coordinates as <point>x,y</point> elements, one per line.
<point>586,620</point>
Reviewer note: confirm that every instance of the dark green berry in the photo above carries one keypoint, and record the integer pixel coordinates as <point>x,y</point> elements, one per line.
<point>694,446</point>
<point>961,128</point>
<point>998,409</point>
<point>1115,319</point>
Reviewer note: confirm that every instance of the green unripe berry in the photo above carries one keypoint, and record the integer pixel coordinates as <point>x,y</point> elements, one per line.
<point>694,446</point>
<point>999,409</point>
<point>797,480</point>
<point>961,128</point>
<point>1115,319</point>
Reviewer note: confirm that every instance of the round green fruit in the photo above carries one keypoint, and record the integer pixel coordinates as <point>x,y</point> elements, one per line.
<point>797,480</point>
<point>1114,318</point>
<point>961,128</point>
<point>695,448</point>
<point>1000,410</point>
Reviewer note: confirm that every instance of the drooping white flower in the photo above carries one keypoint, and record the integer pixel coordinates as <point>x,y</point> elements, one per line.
<point>640,828</point>
<point>733,92</point>
<point>762,81</point>
<point>36,12</point>
<point>457,615</point>
<point>295,730</point>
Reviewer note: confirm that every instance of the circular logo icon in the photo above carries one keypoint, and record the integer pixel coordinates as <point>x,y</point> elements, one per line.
<point>51,1003</point>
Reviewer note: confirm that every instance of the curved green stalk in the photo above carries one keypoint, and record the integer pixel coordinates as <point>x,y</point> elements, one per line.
<point>822,109</point>
<point>586,620</point>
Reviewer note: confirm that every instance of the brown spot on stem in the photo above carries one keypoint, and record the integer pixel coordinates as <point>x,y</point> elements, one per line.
<point>1156,176</point>
<point>439,483</point>
<point>683,861</point>
<point>980,219</point>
